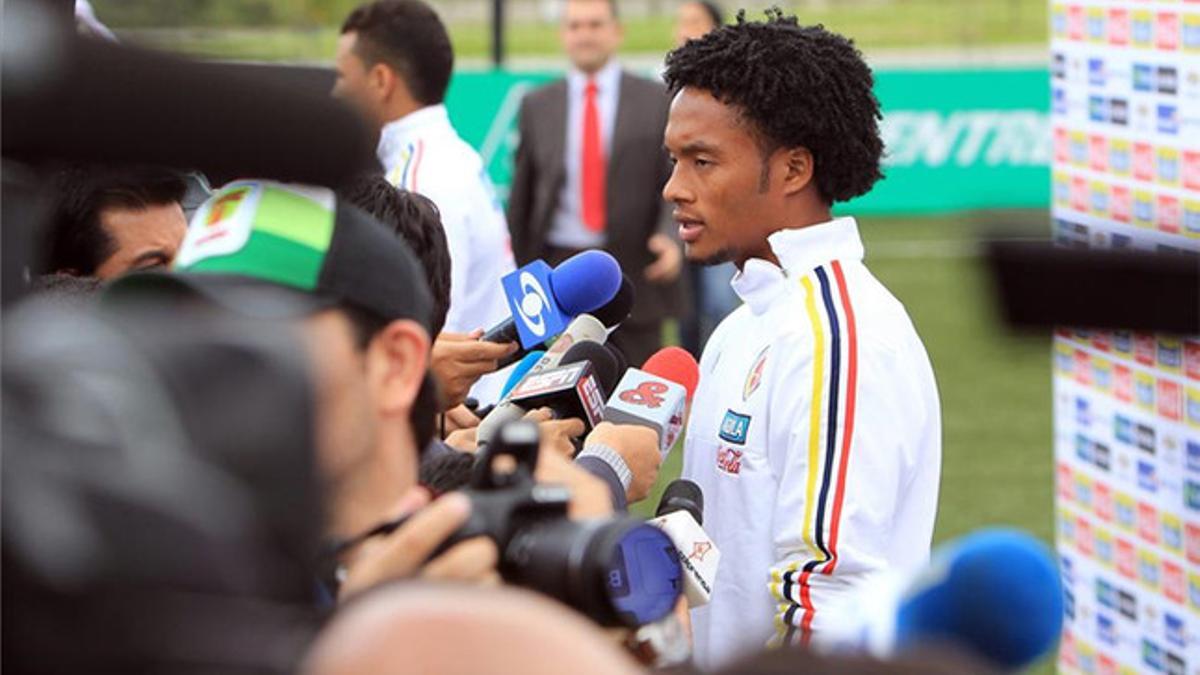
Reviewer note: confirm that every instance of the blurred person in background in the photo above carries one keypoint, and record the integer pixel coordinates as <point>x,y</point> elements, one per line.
<point>110,220</point>
<point>815,432</point>
<point>394,61</point>
<point>403,629</point>
<point>712,296</point>
<point>696,19</point>
<point>589,171</point>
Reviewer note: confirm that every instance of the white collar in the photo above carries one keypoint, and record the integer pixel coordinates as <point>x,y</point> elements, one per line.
<point>798,250</point>
<point>395,134</point>
<point>607,78</point>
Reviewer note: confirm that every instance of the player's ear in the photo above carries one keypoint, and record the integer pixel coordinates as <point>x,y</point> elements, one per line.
<point>798,169</point>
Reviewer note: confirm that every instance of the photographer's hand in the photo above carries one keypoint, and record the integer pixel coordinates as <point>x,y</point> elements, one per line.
<point>638,446</point>
<point>404,553</point>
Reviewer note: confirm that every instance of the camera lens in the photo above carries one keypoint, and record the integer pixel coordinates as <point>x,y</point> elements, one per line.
<point>619,572</point>
<point>644,576</point>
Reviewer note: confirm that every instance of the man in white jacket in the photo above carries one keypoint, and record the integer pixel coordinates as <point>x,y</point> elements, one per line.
<point>815,433</point>
<point>394,62</point>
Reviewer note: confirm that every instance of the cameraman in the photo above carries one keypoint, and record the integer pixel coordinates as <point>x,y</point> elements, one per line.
<point>276,251</point>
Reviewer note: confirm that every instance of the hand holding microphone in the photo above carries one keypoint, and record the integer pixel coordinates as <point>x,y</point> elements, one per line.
<point>583,328</point>
<point>637,459</point>
<point>458,360</point>
<point>657,395</point>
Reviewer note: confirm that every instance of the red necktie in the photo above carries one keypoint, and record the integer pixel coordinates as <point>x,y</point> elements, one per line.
<point>593,164</point>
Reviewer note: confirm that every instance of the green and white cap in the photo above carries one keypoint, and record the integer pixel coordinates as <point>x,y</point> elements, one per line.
<point>254,235</point>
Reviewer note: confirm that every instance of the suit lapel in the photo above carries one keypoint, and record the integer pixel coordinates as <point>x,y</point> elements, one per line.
<point>556,131</point>
<point>622,128</point>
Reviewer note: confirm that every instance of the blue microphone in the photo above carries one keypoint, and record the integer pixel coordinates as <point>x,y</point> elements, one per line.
<point>544,300</point>
<point>520,370</point>
<point>996,595</point>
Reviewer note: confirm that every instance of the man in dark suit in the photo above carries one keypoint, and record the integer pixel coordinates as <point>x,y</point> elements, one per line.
<point>590,169</point>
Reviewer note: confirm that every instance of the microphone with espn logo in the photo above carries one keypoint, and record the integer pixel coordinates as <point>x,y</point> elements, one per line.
<point>575,389</point>
<point>544,300</point>
<point>657,395</point>
<point>680,514</point>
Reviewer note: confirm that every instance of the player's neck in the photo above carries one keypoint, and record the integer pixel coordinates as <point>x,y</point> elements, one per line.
<point>807,217</point>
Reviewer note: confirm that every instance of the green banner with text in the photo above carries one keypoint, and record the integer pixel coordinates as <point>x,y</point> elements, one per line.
<point>955,139</point>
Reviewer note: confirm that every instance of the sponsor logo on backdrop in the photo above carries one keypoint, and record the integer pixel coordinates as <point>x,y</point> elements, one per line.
<point>1147,523</point>
<point>1168,119</point>
<point>1128,605</point>
<point>1118,26</point>
<point>1169,214</point>
<point>1142,28</point>
<point>1168,80</point>
<point>1167,31</point>
<point>1147,476</point>
<point>1191,169</point>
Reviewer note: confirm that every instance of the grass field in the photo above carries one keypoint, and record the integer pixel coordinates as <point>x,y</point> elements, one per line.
<point>874,25</point>
<point>995,388</point>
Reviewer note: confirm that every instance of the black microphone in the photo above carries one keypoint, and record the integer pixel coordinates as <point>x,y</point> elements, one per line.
<point>682,495</point>
<point>619,308</point>
<point>619,356</point>
<point>681,515</point>
<point>576,388</point>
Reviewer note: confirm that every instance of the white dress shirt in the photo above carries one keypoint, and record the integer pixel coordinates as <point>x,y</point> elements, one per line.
<point>567,229</point>
<point>815,435</point>
<point>423,153</point>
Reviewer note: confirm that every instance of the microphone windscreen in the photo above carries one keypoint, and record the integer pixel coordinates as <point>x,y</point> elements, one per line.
<point>682,494</point>
<point>585,281</point>
<point>604,364</point>
<point>677,365</point>
<point>521,369</point>
<point>617,310</point>
<point>622,362</point>
<point>996,593</point>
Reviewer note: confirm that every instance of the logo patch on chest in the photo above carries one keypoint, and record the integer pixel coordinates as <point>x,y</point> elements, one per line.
<point>754,377</point>
<point>729,460</point>
<point>735,427</point>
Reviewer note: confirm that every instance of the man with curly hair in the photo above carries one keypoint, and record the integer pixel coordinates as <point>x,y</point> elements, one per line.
<point>815,433</point>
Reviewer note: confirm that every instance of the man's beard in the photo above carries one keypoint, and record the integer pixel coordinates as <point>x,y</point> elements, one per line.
<point>721,257</point>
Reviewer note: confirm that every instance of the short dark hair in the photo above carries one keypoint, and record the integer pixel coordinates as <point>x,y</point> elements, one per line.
<point>76,239</point>
<point>408,36</point>
<point>417,220</point>
<point>798,86</point>
<point>447,472</point>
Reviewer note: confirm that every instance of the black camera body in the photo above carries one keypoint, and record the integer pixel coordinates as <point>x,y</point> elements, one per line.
<point>618,572</point>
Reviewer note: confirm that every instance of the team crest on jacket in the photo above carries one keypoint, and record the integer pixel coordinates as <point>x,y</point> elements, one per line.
<point>754,377</point>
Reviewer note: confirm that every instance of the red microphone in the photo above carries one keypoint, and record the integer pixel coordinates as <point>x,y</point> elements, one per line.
<point>657,395</point>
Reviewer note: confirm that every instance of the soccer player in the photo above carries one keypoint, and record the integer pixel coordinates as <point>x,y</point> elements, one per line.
<point>815,433</point>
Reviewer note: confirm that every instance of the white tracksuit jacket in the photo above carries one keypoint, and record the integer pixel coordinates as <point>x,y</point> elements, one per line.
<point>815,435</point>
<point>422,152</point>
